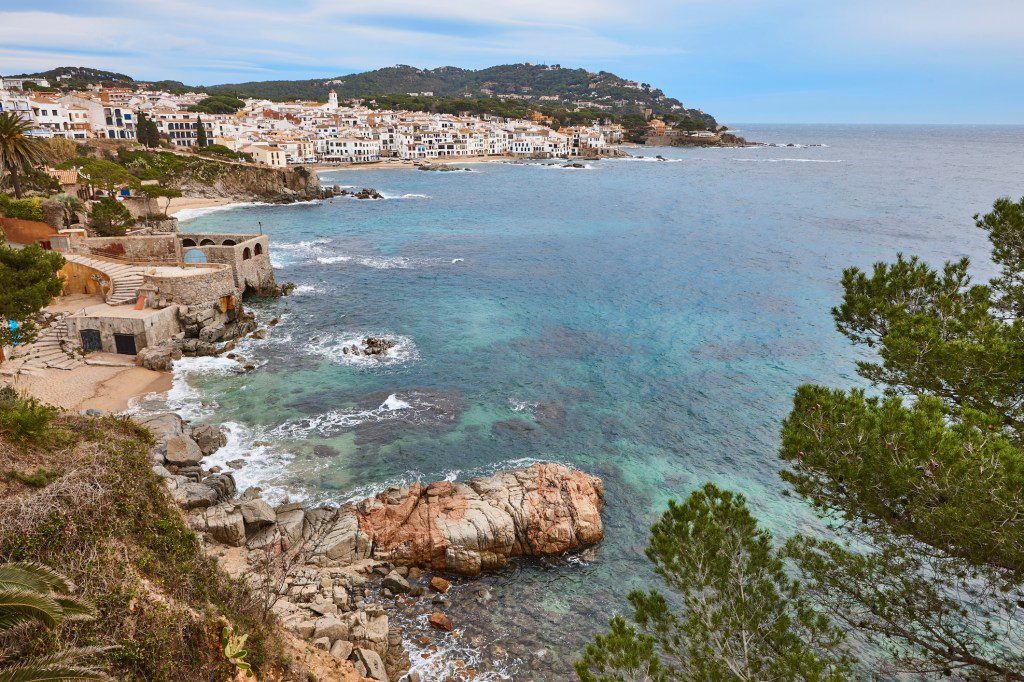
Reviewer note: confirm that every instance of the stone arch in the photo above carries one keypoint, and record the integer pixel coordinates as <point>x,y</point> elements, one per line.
<point>246,253</point>
<point>228,242</point>
<point>188,242</point>
<point>258,249</point>
<point>207,242</point>
<point>194,256</point>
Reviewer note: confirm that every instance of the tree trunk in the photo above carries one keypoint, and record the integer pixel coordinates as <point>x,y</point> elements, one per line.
<point>15,180</point>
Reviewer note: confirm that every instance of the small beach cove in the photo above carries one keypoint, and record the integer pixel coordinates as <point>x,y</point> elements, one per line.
<point>644,322</point>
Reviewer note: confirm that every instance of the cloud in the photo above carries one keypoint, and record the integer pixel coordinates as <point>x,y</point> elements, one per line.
<point>179,38</point>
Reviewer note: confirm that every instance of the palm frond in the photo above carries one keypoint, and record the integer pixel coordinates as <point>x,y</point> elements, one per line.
<point>63,666</point>
<point>20,606</point>
<point>33,576</point>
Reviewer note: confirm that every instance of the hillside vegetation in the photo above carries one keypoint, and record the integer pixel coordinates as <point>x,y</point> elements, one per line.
<point>77,494</point>
<point>576,89</point>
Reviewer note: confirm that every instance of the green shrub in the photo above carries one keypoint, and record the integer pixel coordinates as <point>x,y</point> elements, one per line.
<point>40,479</point>
<point>24,419</point>
<point>23,209</point>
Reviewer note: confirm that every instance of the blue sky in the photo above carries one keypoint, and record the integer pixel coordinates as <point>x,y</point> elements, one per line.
<point>912,61</point>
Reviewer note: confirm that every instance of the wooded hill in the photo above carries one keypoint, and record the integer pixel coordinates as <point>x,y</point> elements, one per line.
<point>561,88</point>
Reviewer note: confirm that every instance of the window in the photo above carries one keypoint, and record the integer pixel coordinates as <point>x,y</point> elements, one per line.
<point>246,254</point>
<point>258,249</point>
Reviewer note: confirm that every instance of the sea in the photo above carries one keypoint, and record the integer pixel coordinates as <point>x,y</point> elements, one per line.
<point>646,320</point>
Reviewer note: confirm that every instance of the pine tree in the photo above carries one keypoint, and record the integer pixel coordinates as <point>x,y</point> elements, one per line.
<point>733,613</point>
<point>28,281</point>
<point>201,140</point>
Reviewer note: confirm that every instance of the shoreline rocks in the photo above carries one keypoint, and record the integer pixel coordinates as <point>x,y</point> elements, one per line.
<point>318,568</point>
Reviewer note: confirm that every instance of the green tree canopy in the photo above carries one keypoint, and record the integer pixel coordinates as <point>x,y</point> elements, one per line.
<point>928,476</point>
<point>218,104</point>
<point>28,282</point>
<point>732,613</point>
<point>109,218</point>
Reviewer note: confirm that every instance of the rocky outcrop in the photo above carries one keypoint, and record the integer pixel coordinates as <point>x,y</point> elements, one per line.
<point>440,167</point>
<point>318,567</point>
<point>478,525</point>
<point>364,193</point>
<point>248,182</point>
<point>371,346</point>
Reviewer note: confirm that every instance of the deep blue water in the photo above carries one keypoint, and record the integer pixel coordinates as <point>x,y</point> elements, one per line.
<point>645,321</point>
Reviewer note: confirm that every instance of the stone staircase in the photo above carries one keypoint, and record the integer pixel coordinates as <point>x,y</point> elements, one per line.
<point>52,348</point>
<point>125,279</point>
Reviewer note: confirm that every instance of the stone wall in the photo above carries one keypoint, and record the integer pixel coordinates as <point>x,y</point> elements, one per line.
<point>163,248</point>
<point>208,283</point>
<point>149,328</point>
<point>247,254</point>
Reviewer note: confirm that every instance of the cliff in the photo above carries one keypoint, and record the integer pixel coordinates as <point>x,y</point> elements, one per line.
<point>247,182</point>
<point>78,494</point>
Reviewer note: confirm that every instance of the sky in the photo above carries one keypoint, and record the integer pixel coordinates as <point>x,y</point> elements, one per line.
<point>777,61</point>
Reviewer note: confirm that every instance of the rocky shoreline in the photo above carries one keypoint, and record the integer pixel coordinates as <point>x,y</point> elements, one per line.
<point>340,576</point>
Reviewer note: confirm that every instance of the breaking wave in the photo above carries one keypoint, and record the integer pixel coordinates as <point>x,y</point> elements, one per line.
<point>335,421</point>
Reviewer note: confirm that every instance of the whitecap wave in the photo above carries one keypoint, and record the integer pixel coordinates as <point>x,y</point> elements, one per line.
<point>405,196</point>
<point>387,262</point>
<point>284,254</point>
<point>335,421</point>
<point>303,289</point>
<point>262,464</point>
<point>331,348</point>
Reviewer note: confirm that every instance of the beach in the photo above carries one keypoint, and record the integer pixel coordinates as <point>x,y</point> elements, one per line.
<point>180,204</point>
<point>105,387</point>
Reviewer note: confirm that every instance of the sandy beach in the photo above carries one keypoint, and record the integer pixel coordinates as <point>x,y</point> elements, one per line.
<point>98,387</point>
<point>181,203</point>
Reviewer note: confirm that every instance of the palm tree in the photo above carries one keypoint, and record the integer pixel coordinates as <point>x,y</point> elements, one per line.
<point>18,152</point>
<point>34,593</point>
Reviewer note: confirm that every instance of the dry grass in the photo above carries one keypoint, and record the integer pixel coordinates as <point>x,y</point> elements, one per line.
<point>107,523</point>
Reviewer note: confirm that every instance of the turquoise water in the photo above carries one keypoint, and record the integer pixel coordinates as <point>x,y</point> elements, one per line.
<point>645,321</point>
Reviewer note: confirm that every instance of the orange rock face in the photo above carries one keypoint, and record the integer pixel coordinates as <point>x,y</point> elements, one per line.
<point>476,525</point>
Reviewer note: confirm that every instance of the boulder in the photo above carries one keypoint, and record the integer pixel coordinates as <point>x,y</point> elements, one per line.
<point>163,425</point>
<point>341,649</point>
<point>267,539</point>
<point>160,357</point>
<point>182,451</point>
<point>224,523</point>
<point>257,514</point>
<point>396,583</point>
<point>289,523</point>
<point>369,664</point>
<point>440,621</point>
<point>330,627</point>
<point>209,438</point>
